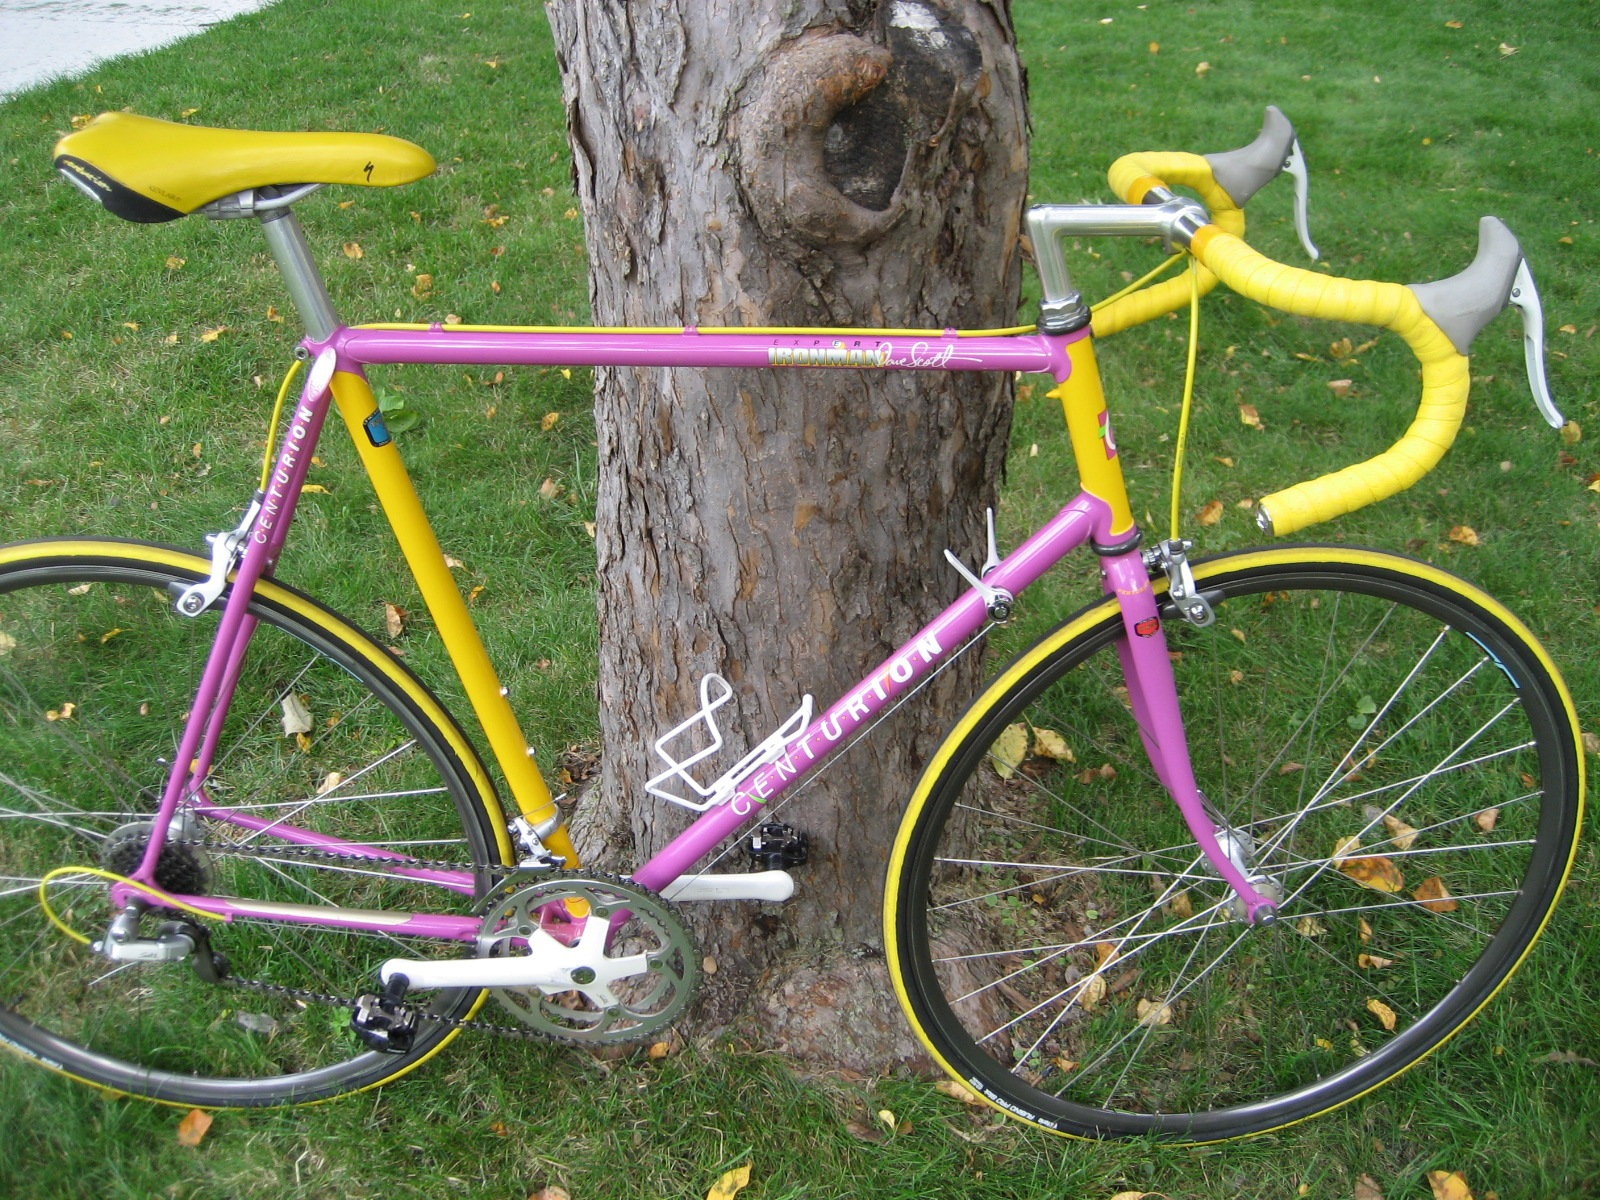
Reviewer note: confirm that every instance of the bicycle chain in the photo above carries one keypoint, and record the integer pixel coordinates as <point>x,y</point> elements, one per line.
<point>498,871</point>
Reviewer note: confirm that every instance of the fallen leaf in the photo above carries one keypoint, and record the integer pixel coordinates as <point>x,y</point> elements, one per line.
<point>1211,513</point>
<point>1386,1015</point>
<point>1566,1058</point>
<point>330,781</point>
<point>1369,870</point>
<point>296,716</point>
<point>1202,68</point>
<point>549,421</point>
<point>1572,433</point>
<point>1452,24</point>
<point>1340,387</point>
<point>192,1129</point>
<point>1507,51</point>
<point>1367,1189</point>
<point>423,287</point>
<point>1591,742</point>
<point>211,335</point>
<point>1487,819</point>
<point>1449,1185</point>
<point>1435,897</point>
<point>958,1091</point>
<point>550,1193</point>
<point>1373,962</point>
<point>354,250</point>
<point>1249,416</point>
<point>1010,750</point>
<point>174,263</point>
<point>731,1184</point>
<point>1092,991</point>
<point>1047,743</point>
<point>394,619</point>
<point>887,1118</point>
<point>658,1051</point>
<point>1401,834</point>
<point>1465,534</point>
<point>550,489</point>
<point>1153,1012</point>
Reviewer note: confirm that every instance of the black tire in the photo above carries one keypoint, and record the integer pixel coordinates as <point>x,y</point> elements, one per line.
<point>1063,950</point>
<point>96,675</point>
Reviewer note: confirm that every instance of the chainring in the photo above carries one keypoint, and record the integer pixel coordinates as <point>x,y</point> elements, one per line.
<point>634,964</point>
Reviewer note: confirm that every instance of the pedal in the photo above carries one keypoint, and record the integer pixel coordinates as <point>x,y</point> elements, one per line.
<point>777,846</point>
<point>385,1022</point>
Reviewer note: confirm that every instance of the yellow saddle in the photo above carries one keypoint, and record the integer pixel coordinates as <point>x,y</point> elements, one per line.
<point>144,169</point>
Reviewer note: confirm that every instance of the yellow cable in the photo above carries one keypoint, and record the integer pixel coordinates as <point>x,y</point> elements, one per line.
<point>112,876</point>
<point>1188,392</point>
<point>1159,270</point>
<point>277,415</point>
<point>675,330</point>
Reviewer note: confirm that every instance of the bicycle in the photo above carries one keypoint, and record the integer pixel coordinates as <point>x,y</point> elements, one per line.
<point>226,783</point>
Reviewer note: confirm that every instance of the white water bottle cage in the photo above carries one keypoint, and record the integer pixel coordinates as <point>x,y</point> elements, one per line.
<point>678,786</point>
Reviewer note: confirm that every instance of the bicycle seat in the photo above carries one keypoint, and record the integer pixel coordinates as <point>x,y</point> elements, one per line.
<point>148,170</point>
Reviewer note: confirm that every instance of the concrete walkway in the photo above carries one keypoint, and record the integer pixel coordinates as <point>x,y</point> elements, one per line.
<point>41,39</point>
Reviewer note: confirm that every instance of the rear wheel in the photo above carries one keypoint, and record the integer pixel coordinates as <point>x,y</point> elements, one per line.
<point>328,735</point>
<point>1384,747</point>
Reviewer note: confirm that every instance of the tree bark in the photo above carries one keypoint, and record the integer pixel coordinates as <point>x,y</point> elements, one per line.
<point>809,163</point>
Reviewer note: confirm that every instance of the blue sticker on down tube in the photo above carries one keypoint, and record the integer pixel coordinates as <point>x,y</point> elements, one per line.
<point>377,430</point>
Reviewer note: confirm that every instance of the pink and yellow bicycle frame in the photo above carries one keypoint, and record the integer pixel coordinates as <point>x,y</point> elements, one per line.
<point>1098,515</point>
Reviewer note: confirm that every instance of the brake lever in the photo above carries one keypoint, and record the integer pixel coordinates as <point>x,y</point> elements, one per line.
<point>1524,297</point>
<point>1294,164</point>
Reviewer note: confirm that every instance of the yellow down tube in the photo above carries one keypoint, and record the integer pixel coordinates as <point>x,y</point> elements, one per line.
<point>420,545</point>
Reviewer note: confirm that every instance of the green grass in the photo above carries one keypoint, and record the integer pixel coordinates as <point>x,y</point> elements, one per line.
<point>1412,128</point>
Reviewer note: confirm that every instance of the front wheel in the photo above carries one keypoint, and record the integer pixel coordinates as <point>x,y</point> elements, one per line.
<point>328,737</point>
<point>1385,748</point>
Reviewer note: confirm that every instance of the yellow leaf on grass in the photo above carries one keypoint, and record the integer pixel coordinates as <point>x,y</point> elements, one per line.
<point>1487,819</point>
<point>354,250</point>
<point>1572,433</point>
<point>1153,1012</point>
<point>1386,1015</point>
<point>1211,513</point>
<point>1449,1185</point>
<point>1373,962</point>
<point>192,1129</point>
<point>548,422</point>
<point>423,287</point>
<point>174,263</point>
<point>958,1091</point>
<point>1369,870</point>
<point>1367,1189</point>
<point>1401,834</point>
<point>1047,743</point>
<point>1340,387</point>
<point>731,1184</point>
<point>1010,750</point>
<point>1435,897</point>
<point>1249,416</point>
<point>212,335</point>
<point>1465,534</point>
<point>394,619</point>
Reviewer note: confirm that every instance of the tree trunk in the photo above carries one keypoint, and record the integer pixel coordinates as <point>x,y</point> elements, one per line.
<point>807,163</point>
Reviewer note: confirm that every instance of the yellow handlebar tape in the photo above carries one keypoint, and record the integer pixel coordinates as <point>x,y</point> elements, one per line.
<point>1445,377</point>
<point>1132,177</point>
